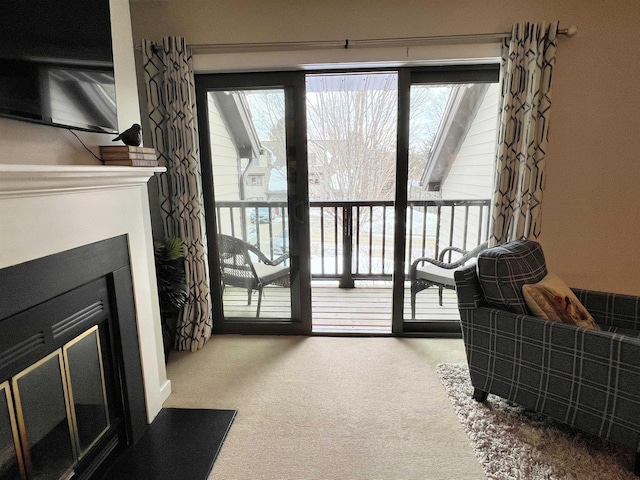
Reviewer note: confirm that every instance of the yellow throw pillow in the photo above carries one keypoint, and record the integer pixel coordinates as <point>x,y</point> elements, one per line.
<point>551,298</point>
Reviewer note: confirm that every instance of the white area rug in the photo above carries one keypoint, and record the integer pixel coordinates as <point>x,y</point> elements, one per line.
<point>512,443</point>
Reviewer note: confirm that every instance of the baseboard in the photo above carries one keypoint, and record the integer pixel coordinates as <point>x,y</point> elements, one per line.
<point>165,390</point>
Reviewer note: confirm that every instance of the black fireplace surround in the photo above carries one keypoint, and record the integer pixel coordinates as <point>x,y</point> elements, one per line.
<point>47,303</point>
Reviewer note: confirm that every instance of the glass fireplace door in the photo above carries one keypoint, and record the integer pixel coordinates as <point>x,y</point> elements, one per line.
<point>60,412</point>
<point>43,418</point>
<point>87,393</point>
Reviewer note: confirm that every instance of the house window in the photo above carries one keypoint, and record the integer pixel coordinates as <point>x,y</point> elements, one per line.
<point>314,178</point>
<point>254,180</point>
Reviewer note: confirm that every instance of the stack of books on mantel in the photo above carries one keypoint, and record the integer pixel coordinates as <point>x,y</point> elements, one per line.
<point>131,156</point>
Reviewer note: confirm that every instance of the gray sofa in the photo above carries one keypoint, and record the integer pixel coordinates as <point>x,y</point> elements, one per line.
<point>588,379</point>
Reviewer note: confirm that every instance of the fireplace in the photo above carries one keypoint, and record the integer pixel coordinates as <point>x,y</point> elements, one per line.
<point>81,360</point>
<point>70,372</point>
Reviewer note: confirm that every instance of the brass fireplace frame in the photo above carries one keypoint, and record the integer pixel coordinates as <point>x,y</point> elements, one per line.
<point>14,426</point>
<point>65,350</point>
<point>15,400</point>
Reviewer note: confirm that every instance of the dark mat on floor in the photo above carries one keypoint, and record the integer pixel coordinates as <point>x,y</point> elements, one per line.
<point>180,443</point>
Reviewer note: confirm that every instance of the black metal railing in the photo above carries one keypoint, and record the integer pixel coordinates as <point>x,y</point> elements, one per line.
<point>353,240</point>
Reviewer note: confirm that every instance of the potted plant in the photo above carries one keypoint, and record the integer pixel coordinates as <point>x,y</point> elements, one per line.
<point>173,291</point>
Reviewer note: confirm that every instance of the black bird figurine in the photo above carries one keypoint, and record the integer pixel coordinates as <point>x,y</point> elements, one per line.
<point>132,136</point>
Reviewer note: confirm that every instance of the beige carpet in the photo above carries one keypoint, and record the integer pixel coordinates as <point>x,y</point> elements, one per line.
<point>513,443</point>
<point>328,408</point>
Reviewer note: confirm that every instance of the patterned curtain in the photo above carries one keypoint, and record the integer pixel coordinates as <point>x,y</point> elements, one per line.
<point>528,57</point>
<point>173,123</point>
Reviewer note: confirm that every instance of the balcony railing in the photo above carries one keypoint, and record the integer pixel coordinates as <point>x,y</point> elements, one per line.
<point>353,240</point>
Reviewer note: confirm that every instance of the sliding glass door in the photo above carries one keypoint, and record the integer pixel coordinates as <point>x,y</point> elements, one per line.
<point>447,164</point>
<point>252,155</point>
<point>347,178</point>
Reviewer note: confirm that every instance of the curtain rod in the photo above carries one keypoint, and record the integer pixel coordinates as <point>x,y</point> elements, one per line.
<point>363,43</point>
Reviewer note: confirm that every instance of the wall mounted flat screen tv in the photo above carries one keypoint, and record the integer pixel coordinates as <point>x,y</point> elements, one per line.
<point>56,63</point>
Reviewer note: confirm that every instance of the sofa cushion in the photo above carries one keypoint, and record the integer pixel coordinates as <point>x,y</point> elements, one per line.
<point>551,298</point>
<point>504,269</point>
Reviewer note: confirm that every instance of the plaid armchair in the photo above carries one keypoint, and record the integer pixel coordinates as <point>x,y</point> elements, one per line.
<point>588,379</point>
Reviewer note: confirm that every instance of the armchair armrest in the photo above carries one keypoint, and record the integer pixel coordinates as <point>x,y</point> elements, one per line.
<point>468,288</point>
<point>611,309</point>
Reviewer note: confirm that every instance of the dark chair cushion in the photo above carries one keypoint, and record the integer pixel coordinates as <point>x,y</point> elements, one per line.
<point>504,269</point>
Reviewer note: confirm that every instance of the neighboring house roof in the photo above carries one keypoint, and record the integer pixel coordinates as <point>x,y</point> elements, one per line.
<point>234,109</point>
<point>461,110</point>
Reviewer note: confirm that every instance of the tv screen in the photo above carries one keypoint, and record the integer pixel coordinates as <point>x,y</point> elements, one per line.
<point>56,63</point>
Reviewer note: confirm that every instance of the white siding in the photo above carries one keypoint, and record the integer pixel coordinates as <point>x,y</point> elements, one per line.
<point>224,157</point>
<point>471,175</point>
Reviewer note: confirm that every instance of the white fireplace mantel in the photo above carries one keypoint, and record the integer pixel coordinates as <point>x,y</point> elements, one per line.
<point>49,209</point>
<point>26,180</point>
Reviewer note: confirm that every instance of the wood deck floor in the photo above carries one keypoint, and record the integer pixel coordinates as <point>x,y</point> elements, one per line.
<point>357,310</point>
